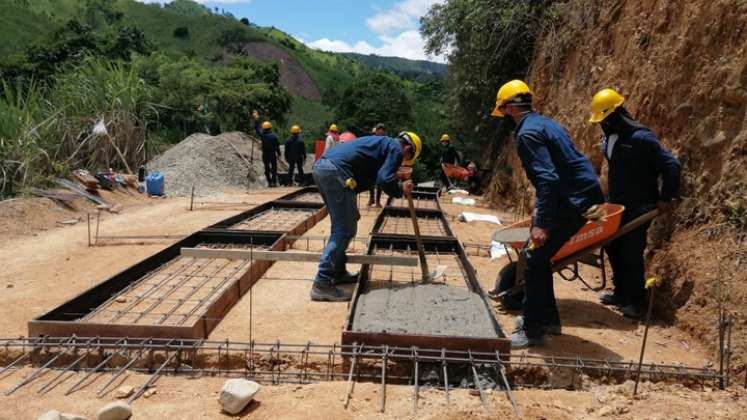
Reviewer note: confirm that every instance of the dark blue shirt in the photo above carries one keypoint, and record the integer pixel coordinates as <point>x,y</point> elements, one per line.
<point>370,160</point>
<point>270,143</point>
<point>295,149</point>
<point>638,160</point>
<point>564,178</point>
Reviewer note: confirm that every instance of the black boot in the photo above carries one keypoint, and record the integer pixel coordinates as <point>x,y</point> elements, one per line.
<point>327,292</point>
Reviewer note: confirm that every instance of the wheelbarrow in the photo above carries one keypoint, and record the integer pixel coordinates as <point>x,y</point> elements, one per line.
<point>585,247</point>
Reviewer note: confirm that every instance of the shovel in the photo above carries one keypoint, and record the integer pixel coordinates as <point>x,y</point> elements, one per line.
<point>427,275</point>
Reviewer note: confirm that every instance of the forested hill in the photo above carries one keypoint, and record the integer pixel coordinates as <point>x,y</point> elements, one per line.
<point>409,69</point>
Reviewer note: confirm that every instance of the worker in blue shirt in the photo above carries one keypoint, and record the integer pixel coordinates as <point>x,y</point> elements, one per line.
<point>342,172</point>
<point>295,153</point>
<point>636,161</point>
<point>270,149</point>
<point>566,188</point>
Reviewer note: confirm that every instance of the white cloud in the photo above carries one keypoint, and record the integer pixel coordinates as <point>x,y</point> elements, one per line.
<point>396,29</point>
<point>403,16</point>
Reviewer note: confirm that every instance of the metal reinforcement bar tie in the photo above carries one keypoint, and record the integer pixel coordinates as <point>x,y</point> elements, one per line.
<point>40,370</point>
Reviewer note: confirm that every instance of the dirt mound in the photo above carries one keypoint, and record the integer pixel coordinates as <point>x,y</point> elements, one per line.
<point>212,163</point>
<point>684,74</point>
<point>292,75</point>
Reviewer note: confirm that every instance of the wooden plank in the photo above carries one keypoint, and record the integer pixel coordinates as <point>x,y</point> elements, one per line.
<point>240,254</point>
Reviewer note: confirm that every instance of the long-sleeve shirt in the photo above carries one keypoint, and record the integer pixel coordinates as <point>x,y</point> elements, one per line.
<point>450,155</point>
<point>370,160</point>
<point>270,143</point>
<point>563,178</point>
<point>636,161</point>
<point>332,140</point>
<point>295,149</point>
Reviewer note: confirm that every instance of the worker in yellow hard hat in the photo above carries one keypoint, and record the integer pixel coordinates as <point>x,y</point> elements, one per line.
<point>270,149</point>
<point>636,162</point>
<point>295,153</point>
<point>449,156</point>
<point>375,192</point>
<point>566,187</point>
<point>343,172</point>
<point>332,139</point>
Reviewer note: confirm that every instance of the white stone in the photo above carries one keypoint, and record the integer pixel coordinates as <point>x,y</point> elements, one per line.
<point>118,410</point>
<point>68,416</point>
<point>237,394</point>
<point>124,391</point>
<point>50,415</point>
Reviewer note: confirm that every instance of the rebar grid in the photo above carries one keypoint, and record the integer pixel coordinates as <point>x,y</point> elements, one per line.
<point>174,293</point>
<point>416,202</point>
<point>309,197</point>
<point>275,219</point>
<point>402,225</point>
<point>382,275</point>
<point>319,242</point>
<point>278,362</point>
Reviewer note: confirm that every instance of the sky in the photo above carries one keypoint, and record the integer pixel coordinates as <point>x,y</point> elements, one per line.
<point>383,27</point>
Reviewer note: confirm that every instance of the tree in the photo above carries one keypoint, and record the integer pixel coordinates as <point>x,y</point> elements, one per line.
<point>488,42</point>
<point>245,21</point>
<point>374,98</point>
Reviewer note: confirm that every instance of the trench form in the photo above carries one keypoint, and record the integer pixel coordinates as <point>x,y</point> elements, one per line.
<point>175,302</point>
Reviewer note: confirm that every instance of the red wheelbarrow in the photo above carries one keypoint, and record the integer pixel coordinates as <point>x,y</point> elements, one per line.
<point>586,247</point>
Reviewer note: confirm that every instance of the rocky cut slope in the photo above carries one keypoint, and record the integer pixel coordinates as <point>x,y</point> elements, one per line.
<point>682,65</point>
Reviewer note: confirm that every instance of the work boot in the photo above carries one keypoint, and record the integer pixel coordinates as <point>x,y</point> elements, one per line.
<point>552,329</point>
<point>633,311</point>
<point>520,340</point>
<point>346,278</point>
<point>327,292</point>
<point>610,298</point>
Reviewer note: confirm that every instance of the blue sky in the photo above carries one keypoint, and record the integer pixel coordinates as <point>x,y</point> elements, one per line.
<point>384,27</point>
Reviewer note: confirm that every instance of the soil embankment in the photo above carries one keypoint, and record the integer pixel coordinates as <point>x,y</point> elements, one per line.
<point>292,74</point>
<point>682,67</point>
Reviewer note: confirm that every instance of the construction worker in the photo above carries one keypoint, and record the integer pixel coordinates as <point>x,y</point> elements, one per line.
<point>333,138</point>
<point>270,149</point>
<point>295,153</point>
<point>449,156</point>
<point>636,161</point>
<point>375,191</point>
<point>566,187</point>
<point>340,174</point>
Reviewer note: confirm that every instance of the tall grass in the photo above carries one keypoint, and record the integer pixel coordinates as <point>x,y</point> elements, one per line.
<point>45,130</point>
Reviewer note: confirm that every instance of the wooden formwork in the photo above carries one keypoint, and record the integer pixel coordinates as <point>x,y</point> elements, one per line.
<point>75,315</point>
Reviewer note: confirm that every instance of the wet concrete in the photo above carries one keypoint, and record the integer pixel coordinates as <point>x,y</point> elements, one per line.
<point>430,309</point>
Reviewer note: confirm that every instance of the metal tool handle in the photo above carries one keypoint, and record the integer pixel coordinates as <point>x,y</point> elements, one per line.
<point>418,240</point>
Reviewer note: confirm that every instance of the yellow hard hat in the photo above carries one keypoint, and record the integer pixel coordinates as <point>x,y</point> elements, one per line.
<point>413,139</point>
<point>603,104</point>
<point>445,137</point>
<point>507,92</point>
<point>266,125</point>
<point>333,128</point>
<point>295,129</point>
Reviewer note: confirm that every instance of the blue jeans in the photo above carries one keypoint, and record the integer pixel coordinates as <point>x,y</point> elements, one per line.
<point>540,307</point>
<point>343,212</point>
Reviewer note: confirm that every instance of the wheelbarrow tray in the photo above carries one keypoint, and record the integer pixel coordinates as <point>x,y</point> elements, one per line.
<point>590,234</point>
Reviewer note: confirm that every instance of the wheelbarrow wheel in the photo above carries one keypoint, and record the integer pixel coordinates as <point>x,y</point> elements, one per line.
<point>505,282</point>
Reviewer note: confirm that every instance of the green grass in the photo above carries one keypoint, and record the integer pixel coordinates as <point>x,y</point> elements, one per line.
<point>310,115</point>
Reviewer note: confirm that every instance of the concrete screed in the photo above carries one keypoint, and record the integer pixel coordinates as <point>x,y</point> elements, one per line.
<point>424,309</point>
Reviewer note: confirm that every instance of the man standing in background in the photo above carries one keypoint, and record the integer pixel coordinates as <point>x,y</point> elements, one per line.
<point>375,191</point>
<point>449,156</point>
<point>295,153</point>
<point>333,138</point>
<point>270,149</point>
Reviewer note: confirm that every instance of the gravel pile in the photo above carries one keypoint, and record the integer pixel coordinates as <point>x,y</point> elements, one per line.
<point>211,164</point>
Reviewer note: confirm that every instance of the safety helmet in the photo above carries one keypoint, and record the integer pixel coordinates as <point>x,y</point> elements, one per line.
<point>507,92</point>
<point>604,103</point>
<point>295,129</point>
<point>445,138</point>
<point>333,128</point>
<point>414,140</point>
<point>266,125</point>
